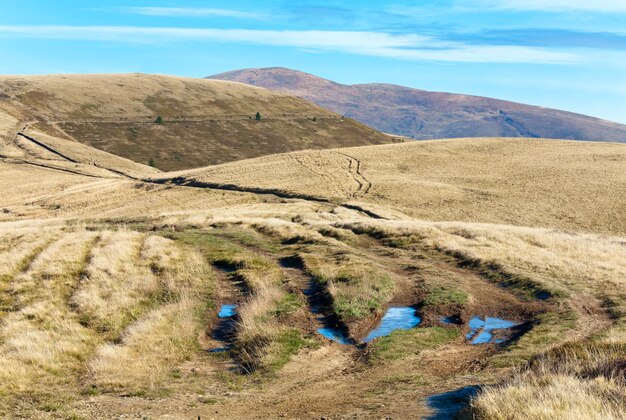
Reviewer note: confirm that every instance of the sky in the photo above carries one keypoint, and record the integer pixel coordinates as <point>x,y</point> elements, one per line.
<point>565,54</point>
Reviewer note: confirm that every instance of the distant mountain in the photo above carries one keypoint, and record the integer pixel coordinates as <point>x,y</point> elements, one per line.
<point>429,115</point>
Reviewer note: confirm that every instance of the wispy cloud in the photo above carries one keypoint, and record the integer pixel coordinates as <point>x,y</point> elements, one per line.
<point>543,37</point>
<point>380,44</point>
<point>193,12</point>
<point>602,6</point>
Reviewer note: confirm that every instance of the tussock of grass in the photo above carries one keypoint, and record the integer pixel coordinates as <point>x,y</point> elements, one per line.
<point>404,343</point>
<point>262,343</point>
<point>440,295</point>
<point>358,287</point>
<point>575,381</point>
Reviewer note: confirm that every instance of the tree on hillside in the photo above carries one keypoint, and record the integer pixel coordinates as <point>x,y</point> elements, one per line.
<point>258,116</point>
<point>159,120</point>
<point>152,163</point>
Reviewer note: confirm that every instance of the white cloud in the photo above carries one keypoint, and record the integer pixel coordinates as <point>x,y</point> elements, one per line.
<point>603,6</point>
<point>404,47</point>
<point>192,12</point>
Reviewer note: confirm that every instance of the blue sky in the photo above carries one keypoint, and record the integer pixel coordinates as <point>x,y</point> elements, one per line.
<point>567,54</point>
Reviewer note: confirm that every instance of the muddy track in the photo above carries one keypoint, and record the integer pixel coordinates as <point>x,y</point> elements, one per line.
<point>354,167</point>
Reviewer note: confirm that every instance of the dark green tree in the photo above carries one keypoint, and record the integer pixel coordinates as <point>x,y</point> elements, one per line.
<point>152,163</point>
<point>258,116</point>
<point>159,120</point>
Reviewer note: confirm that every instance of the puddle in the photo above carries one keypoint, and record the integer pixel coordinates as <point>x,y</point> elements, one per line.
<point>394,319</point>
<point>543,295</point>
<point>318,306</point>
<point>450,404</point>
<point>335,334</point>
<point>226,311</point>
<point>225,326</point>
<point>481,331</point>
<point>221,349</point>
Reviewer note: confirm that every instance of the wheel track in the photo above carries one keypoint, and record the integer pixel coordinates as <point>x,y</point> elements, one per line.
<point>354,168</point>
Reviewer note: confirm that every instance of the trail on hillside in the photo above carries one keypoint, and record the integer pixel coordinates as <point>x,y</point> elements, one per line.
<point>354,167</point>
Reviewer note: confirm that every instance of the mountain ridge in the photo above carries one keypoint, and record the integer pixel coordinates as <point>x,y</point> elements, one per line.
<point>426,115</point>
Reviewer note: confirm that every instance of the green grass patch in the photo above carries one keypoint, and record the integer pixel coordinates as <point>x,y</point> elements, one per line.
<point>284,346</point>
<point>358,287</point>
<point>289,304</point>
<point>551,329</point>
<point>247,237</point>
<point>404,343</point>
<point>349,305</point>
<point>440,295</point>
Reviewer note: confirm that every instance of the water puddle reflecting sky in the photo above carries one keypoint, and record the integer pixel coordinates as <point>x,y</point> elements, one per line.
<point>481,330</point>
<point>394,319</point>
<point>226,311</point>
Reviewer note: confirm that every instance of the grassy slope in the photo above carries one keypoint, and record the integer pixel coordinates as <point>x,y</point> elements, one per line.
<point>204,122</point>
<point>560,184</point>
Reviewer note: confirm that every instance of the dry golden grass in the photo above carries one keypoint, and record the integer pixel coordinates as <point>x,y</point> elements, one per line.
<point>42,344</point>
<point>566,185</point>
<point>580,382</point>
<point>150,351</point>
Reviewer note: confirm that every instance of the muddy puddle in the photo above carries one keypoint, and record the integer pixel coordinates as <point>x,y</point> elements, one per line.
<point>227,311</point>
<point>450,405</point>
<point>225,326</point>
<point>396,318</point>
<point>489,330</point>
<point>319,306</point>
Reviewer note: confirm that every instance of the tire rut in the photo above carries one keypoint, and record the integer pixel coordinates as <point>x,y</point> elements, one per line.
<point>354,168</point>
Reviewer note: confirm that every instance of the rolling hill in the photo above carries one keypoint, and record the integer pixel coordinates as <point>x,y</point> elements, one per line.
<point>424,115</point>
<point>202,122</point>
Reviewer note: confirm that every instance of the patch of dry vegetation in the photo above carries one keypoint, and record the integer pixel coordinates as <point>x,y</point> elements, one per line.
<point>149,351</point>
<point>42,344</point>
<point>577,381</point>
<point>572,186</point>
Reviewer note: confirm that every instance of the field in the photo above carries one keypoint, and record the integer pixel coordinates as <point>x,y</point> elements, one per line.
<point>113,273</point>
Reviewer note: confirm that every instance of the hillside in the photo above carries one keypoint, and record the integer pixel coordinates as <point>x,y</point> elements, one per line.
<point>203,122</point>
<point>526,182</point>
<point>115,288</point>
<point>431,115</point>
